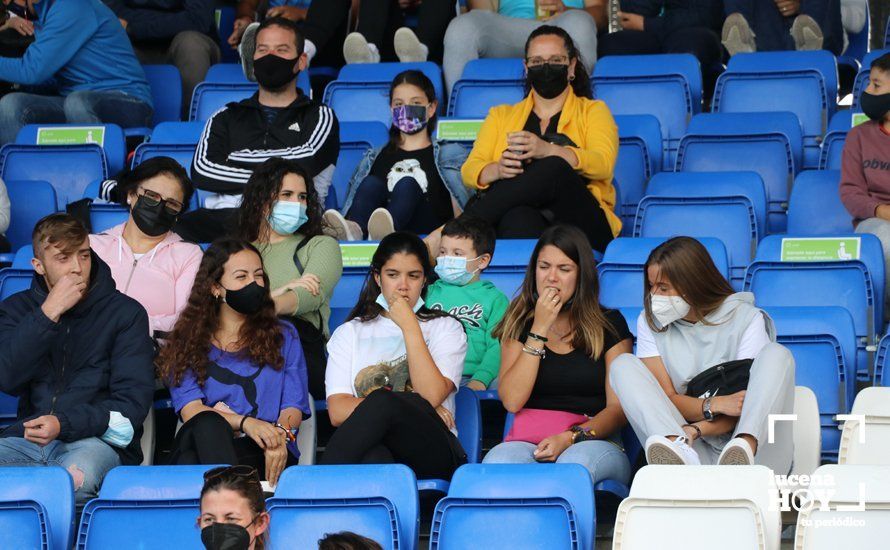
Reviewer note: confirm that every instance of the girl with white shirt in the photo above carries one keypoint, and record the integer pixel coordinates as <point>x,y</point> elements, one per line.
<point>393,370</point>
<point>693,321</point>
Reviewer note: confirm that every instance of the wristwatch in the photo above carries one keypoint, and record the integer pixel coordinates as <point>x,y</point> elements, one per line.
<point>579,434</point>
<point>706,410</point>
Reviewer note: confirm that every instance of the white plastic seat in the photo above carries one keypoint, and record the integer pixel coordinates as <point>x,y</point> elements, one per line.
<point>856,510</point>
<point>872,447</point>
<point>716,499</point>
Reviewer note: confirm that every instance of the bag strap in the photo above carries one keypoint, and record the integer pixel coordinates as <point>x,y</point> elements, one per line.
<point>301,270</point>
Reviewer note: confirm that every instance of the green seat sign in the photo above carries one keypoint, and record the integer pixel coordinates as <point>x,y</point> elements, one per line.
<point>820,249</point>
<point>858,118</point>
<point>358,254</point>
<point>458,130</point>
<point>71,135</point>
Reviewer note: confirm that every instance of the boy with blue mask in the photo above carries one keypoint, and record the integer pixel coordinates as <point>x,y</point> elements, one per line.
<point>465,251</point>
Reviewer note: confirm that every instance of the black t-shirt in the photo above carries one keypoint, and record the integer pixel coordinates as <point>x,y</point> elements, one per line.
<point>551,135</point>
<point>574,382</point>
<point>437,194</point>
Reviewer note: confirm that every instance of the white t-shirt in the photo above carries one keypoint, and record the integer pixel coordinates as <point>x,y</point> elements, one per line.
<point>365,356</point>
<point>753,339</point>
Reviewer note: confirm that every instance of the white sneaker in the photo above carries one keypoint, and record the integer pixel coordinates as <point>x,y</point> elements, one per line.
<point>340,228</point>
<point>806,34</point>
<point>737,36</point>
<point>380,224</point>
<point>661,450</point>
<point>357,50</point>
<point>247,48</point>
<point>408,47</point>
<point>736,453</point>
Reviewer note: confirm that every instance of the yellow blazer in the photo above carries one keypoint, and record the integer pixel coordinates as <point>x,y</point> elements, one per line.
<point>587,122</point>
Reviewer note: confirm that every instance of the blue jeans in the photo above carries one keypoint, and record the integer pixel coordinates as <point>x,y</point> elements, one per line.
<point>85,107</point>
<point>407,203</point>
<point>87,460</point>
<point>603,459</point>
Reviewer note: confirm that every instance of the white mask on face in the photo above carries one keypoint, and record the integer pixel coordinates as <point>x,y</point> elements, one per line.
<point>668,309</point>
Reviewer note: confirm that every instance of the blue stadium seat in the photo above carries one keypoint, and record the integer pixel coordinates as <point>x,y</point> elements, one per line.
<point>859,43</point>
<point>769,144</point>
<point>106,216</point>
<point>69,168</point>
<point>361,91</point>
<point>36,508</point>
<point>233,73</point>
<point>375,133</point>
<point>507,268</point>
<point>621,271</point>
<point>166,92</point>
<point>512,505</point>
<point>815,207</point>
<point>30,201</point>
<point>856,285</point>
<point>727,205</point>
<point>346,294</point>
<point>356,138</point>
<point>225,23</point>
<point>468,419</point>
<point>209,97</point>
<point>823,342</point>
<point>377,501</point>
<point>484,84</point>
<point>668,86</point>
<point>803,82</point>
<point>181,153</point>
<point>861,82</point>
<point>639,158</point>
<point>881,361</point>
<point>23,256</point>
<point>8,409</point>
<point>178,133</point>
<point>114,144</point>
<point>144,507</point>
<point>14,280</point>
<point>833,143</point>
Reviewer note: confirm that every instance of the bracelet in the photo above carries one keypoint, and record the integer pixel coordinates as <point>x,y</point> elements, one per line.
<point>241,425</point>
<point>537,337</point>
<point>696,428</point>
<point>532,351</point>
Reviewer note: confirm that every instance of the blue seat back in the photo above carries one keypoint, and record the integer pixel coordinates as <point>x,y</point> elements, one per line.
<point>311,501</point>
<point>184,133</point>
<point>494,69</point>
<point>113,143</point>
<point>881,362</point>
<point>166,92</point>
<point>668,86</point>
<point>509,263</point>
<point>183,154</point>
<point>106,216</point>
<point>861,82</point>
<point>639,158</point>
<point>815,207</point>
<point>29,201</point>
<point>361,91</point>
<point>8,409</point>
<point>823,342</point>
<point>351,154</point>
<point>69,168</point>
<point>474,98</point>
<point>36,507</point>
<point>832,150</point>
<point>804,83</point>
<point>209,97</point>
<point>346,294</point>
<point>769,144</point>
<point>153,483</point>
<point>14,280</point>
<point>468,418</point>
<point>22,259</point>
<point>233,73</point>
<point>508,505</point>
<point>855,285</point>
<point>621,271</point>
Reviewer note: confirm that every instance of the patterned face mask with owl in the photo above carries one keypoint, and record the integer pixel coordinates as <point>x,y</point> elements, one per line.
<point>409,119</point>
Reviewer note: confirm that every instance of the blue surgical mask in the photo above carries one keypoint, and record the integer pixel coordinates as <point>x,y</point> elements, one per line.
<point>287,216</point>
<point>120,431</point>
<point>453,269</point>
<point>381,301</point>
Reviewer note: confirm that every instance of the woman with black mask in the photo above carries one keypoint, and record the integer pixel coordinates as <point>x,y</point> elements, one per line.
<point>234,369</point>
<point>149,262</point>
<point>548,159</point>
<point>233,510</point>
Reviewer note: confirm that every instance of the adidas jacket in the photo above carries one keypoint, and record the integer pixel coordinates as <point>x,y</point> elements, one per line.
<point>237,138</point>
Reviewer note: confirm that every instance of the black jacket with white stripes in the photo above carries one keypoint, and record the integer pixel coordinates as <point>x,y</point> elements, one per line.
<point>237,138</point>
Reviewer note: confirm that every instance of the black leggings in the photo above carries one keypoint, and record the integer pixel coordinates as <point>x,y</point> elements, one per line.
<point>701,42</point>
<point>207,438</point>
<point>392,427</point>
<point>378,21</point>
<point>548,192</point>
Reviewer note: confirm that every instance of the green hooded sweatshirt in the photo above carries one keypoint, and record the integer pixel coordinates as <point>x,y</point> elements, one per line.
<point>479,306</point>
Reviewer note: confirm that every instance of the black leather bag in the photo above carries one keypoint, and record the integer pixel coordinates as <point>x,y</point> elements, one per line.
<point>723,379</point>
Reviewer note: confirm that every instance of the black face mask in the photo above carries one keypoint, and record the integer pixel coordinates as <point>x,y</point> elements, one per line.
<point>874,106</point>
<point>247,300</point>
<point>225,536</point>
<point>273,72</point>
<point>549,80</point>
<point>155,220</point>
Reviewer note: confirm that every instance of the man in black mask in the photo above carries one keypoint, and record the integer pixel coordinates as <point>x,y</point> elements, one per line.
<point>278,121</point>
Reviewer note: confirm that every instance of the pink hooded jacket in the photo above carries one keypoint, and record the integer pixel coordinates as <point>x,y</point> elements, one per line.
<point>160,280</point>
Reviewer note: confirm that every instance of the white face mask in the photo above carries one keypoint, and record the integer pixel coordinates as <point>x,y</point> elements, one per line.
<point>668,309</point>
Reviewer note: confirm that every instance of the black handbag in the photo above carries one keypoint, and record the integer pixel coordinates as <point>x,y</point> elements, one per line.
<point>723,379</point>
<point>313,341</point>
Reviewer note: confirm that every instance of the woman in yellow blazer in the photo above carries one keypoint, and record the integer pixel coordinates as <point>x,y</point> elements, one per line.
<point>549,158</point>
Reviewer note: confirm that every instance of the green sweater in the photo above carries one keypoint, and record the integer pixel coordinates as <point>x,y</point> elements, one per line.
<point>479,306</point>
<point>320,257</point>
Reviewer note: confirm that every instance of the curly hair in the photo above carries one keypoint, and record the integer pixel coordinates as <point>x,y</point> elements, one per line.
<point>260,195</point>
<point>188,347</point>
